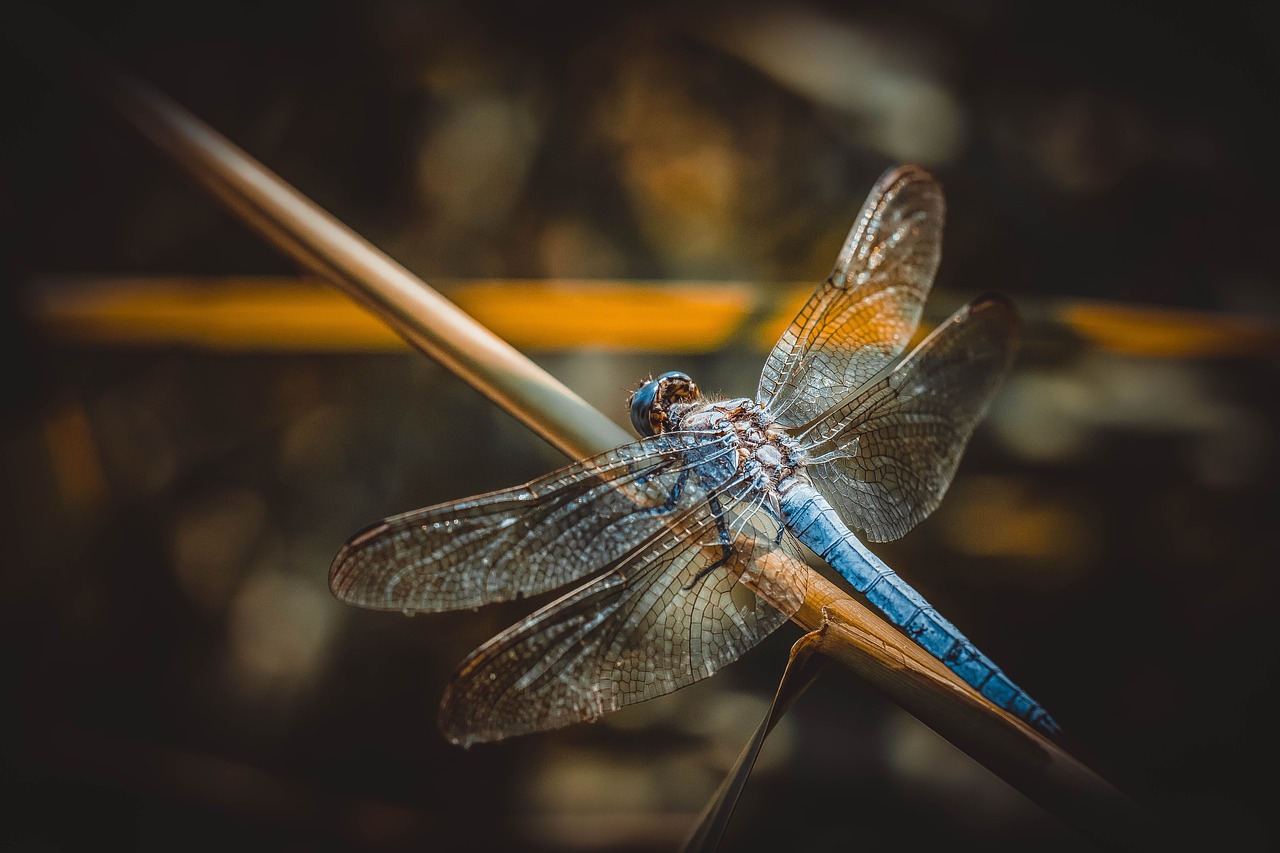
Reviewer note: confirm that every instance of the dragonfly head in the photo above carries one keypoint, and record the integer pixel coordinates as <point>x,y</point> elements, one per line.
<point>651,405</point>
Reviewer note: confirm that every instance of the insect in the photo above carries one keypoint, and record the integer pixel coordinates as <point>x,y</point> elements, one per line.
<point>686,543</point>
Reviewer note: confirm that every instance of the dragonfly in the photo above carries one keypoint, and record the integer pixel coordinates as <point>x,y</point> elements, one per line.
<point>687,546</point>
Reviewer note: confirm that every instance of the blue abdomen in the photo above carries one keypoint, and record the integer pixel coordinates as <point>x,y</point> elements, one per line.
<point>813,521</point>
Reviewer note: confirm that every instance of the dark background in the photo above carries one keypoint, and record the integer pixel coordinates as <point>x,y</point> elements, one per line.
<point>179,674</point>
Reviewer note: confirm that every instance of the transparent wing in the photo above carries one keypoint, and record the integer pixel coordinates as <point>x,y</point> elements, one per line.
<point>532,538</point>
<point>862,317</point>
<point>650,626</point>
<point>885,457</point>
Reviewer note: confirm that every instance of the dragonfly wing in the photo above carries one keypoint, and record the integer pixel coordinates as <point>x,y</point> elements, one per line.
<point>653,624</point>
<point>885,457</point>
<point>532,538</point>
<point>862,317</point>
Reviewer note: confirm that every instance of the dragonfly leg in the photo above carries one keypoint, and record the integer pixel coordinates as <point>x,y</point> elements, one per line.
<point>726,544</point>
<point>776,515</point>
<point>674,497</point>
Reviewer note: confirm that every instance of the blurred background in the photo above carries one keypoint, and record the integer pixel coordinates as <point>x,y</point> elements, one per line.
<point>191,429</point>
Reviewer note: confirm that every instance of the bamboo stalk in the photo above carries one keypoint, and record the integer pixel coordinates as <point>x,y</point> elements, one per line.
<point>853,634</point>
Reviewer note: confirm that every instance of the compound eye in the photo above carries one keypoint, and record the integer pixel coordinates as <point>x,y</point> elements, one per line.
<point>642,406</point>
<point>649,405</point>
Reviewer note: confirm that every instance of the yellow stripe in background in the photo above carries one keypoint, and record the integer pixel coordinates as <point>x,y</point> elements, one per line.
<point>231,313</point>
<point>250,313</point>
<point>606,315</point>
<point>1159,332</point>
<point>265,313</point>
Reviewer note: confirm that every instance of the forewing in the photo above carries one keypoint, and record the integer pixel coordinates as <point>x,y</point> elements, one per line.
<point>532,538</point>
<point>646,628</point>
<point>885,457</point>
<point>862,317</point>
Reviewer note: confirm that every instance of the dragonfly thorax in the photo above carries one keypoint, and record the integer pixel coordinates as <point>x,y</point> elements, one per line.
<point>766,454</point>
